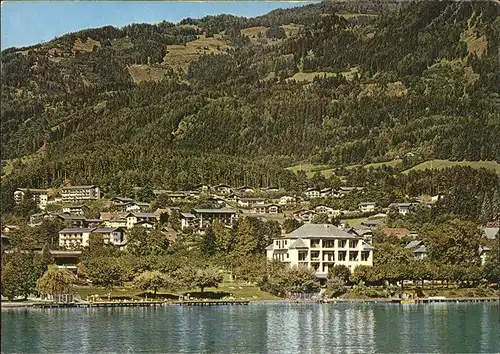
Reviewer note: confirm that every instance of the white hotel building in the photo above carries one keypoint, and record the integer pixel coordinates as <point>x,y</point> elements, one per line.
<point>80,193</point>
<point>319,247</point>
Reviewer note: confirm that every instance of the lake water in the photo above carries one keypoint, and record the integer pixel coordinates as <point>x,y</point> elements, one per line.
<point>257,328</point>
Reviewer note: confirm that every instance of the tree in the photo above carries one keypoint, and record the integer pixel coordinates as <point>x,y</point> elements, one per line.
<point>321,218</point>
<point>144,242</point>
<point>46,257</point>
<point>55,281</point>
<point>281,280</point>
<point>154,280</point>
<point>102,271</point>
<point>491,267</point>
<point>336,285</point>
<point>362,273</point>
<point>291,224</point>
<point>175,220</point>
<point>208,245</point>
<point>454,242</point>
<point>145,194</point>
<point>246,238</point>
<point>20,273</point>
<point>341,271</point>
<point>223,237</point>
<point>209,277</point>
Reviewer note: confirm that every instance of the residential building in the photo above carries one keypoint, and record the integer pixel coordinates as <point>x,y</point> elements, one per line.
<point>40,196</point>
<point>483,252</point>
<point>271,189</point>
<point>418,249</point>
<point>188,220</point>
<point>491,232</point>
<point>7,228</point>
<point>367,207</point>
<point>305,216</point>
<point>266,209</point>
<point>138,207</point>
<point>134,218</point>
<point>320,247</point>
<point>246,189</point>
<point>223,189</point>
<point>79,237</point>
<point>75,209</point>
<point>325,192</point>
<point>38,218</point>
<point>325,209</point>
<point>343,191</point>
<point>232,198</point>
<point>372,224</point>
<point>206,216</point>
<point>251,202</point>
<point>73,220</point>
<point>80,193</point>
<point>121,201</point>
<point>287,200</point>
<point>312,193</point>
<point>203,188</point>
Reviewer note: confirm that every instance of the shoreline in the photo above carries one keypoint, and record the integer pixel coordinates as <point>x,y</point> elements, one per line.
<point>44,305</point>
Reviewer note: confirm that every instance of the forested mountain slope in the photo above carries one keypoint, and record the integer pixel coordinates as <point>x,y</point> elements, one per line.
<point>234,100</point>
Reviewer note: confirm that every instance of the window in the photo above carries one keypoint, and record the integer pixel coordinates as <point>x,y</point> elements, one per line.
<point>342,243</point>
<point>285,242</point>
<point>353,256</point>
<point>315,243</point>
<point>287,256</point>
<point>302,256</point>
<point>329,244</point>
<point>342,256</point>
<point>364,256</point>
<point>353,243</point>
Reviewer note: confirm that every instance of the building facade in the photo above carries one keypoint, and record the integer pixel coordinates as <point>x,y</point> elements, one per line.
<point>40,196</point>
<point>80,193</point>
<point>320,247</point>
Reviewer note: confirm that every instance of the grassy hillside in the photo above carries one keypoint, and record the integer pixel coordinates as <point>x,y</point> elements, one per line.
<point>173,105</point>
<point>440,164</point>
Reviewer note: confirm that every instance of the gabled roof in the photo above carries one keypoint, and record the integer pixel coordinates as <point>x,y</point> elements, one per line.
<point>79,187</point>
<point>299,243</point>
<point>413,244</point>
<point>491,232</point>
<point>420,249</point>
<point>76,206</point>
<point>76,230</point>
<point>482,249</point>
<point>72,217</point>
<point>123,199</point>
<point>270,247</point>
<point>367,247</point>
<point>367,203</point>
<point>319,230</point>
<point>104,230</point>
<point>187,215</point>
<point>215,211</point>
<point>142,215</point>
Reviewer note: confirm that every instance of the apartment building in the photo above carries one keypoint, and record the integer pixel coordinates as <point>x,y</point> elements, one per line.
<point>40,196</point>
<point>80,193</point>
<point>79,237</point>
<point>320,247</point>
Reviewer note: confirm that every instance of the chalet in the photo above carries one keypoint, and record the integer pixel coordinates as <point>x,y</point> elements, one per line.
<point>121,201</point>
<point>206,216</point>
<point>40,196</point>
<point>266,209</point>
<point>79,237</point>
<point>287,200</point>
<point>145,223</point>
<point>343,191</point>
<point>418,249</point>
<point>202,188</point>
<point>271,189</point>
<point>158,192</point>
<point>80,193</point>
<point>251,202</point>
<point>312,193</point>
<point>179,196</point>
<point>367,207</point>
<point>7,228</point>
<point>223,189</point>
<point>134,218</point>
<point>372,223</point>
<point>305,216</point>
<point>188,220</point>
<point>232,198</point>
<point>73,220</point>
<point>76,209</point>
<point>93,222</point>
<point>246,189</point>
<point>325,209</point>
<point>38,218</point>
<point>364,232</point>
<point>325,192</point>
<point>138,207</point>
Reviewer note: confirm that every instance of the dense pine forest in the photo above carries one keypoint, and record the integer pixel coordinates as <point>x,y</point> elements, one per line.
<point>224,99</point>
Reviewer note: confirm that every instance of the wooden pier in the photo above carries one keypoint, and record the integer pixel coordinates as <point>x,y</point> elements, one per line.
<point>137,304</point>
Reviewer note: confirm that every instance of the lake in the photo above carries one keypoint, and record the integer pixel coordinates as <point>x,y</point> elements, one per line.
<point>257,328</point>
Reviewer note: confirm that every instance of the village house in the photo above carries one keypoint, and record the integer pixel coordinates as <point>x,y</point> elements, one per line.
<point>372,224</point>
<point>271,189</point>
<point>266,209</point>
<point>8,228</point>
<point>38,218</point>
<point>367,207</point>
<point>202,188</point>
<point>188,220</point>
<point>40,196</point>
<point>223,189</point>
<point>320,247</point>
<point>251,202</point>
<point>325,209</point>
<point>325,192</point>
<point>418,249</point>
<point>287,200</point>
<point>79,237</point>
<point>80,193</point>
<point>312,193</point>
<point>135,218</point>
<point>232,198</point>
<point>246,189</point>
<point>73,220</point>
<point>304,216</point>
<point>75,209</point>
<point>343,191</point>
<point>206,216</point>
<point>136,207</point>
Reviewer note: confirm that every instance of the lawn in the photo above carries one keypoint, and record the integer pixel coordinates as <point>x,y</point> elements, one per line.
<point>311,169</point>
<point>234,289</point>
<point>440,164</point>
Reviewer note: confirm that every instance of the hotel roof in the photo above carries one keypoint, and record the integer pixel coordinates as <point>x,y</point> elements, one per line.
<point>320,230</point>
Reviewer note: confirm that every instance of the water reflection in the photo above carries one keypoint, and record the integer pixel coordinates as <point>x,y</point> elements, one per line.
<point>277,328</point>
